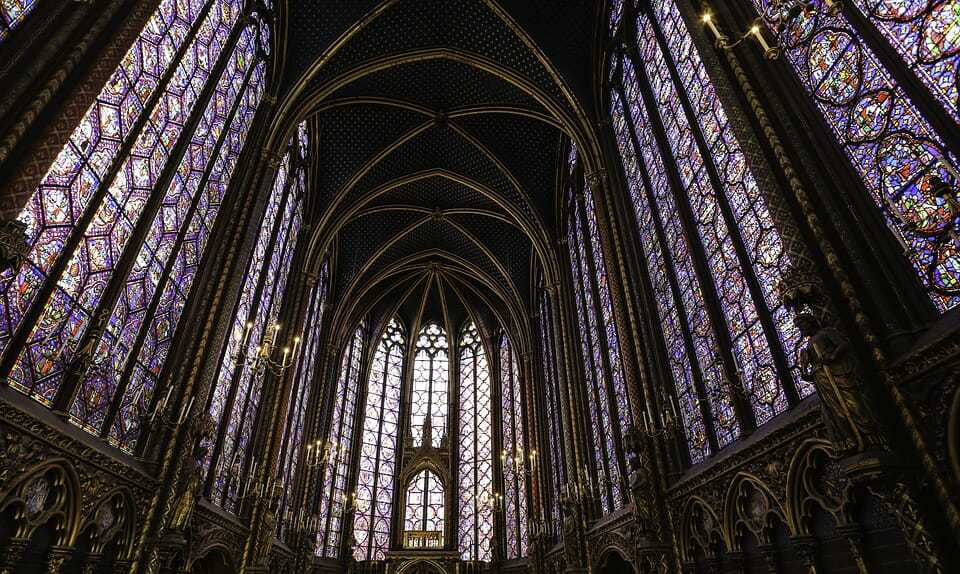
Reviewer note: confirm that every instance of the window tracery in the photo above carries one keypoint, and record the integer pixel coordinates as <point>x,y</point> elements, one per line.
<point>431,368</point>
<point>515,460</point>
<point>886,135</point>
<point>378,447</point>
<point>713,253</point>
<point>475,468</point>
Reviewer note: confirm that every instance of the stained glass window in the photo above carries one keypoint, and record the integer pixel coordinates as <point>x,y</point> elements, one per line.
<point>704,228</point>
<point>424,507</point>
<point>670,269</point>
<point>300,392</point>
<point>475,468</point>
<point>236,393</point>
<point>514,460</point>
<point>428,404</point>
<point>593,311</point>
<point>12,13</point>
<point>926,35</point>
<point>116,240</point>
<point>378,449</point>
<point>885,135</point>
<point>553,410</point>
<point>335,495</point>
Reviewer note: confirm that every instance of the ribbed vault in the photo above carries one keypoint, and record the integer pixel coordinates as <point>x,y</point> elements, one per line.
<point>440,126</point>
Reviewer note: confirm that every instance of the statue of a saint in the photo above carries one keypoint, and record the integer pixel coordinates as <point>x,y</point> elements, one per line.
<point>828,362</point>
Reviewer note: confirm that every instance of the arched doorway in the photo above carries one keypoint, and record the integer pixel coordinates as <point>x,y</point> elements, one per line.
<point>215,561</point>
<point>615,563</point>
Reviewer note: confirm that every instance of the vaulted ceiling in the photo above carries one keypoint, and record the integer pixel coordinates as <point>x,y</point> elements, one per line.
<point>439,126</point>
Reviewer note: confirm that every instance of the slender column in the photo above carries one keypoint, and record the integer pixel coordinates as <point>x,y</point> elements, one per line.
<point>24,56</point>
<point>671,273</point>
<point>623,312</point>
<point>24,177</point>
<point>74,377</point>
<point>534,508</point>
<point>840,275</point>
<point>233,397</point>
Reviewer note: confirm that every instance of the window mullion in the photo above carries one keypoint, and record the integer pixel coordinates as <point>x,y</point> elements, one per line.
<point>239,367</point>
<point>671,274</point>
<point>66,253</point>
<point>591,273</point>
<point>589,365</point>
<point>746,265</point>
<point>697,254</point>
<point>134,351</point>
<point>933,110</point>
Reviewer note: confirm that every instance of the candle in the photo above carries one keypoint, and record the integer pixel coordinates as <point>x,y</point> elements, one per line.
<point>708,20</point>
<point>755,32</point>
<point>163,405</point>
<point>246,333</point>
<point>185,411</point>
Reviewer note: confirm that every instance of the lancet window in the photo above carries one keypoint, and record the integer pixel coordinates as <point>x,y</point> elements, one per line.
<point>713,252</point>
<point>609,414</point>
<point>293,450</point>
<point>475,468</point>
<point>378,447</point>
<point>431,368</point>
<point>515,459</point>
<point>335,496</point>
<point>235,399</point>
<point>118,227</point>
<point>552,408</point>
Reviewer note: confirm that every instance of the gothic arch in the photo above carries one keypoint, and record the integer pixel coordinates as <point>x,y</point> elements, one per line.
<point>750,506</point>
<point>49,491</point>
<point>700,527</point>
<point>813,479</point>
<point>113,519</point>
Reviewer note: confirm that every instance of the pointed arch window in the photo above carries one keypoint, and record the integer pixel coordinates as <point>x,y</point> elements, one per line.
<point>879,110</point>
<point>235,399</point>
<point>515,460</point>
<point>475,468</point>
<point>424,508</point>
<point>12,13</point>
<point>553,409</point>
<point>338,446</point>
<point>431,368</point>
<point>119,224</point>
<point>300,392</point>
<point>713,252</point>
<point>378,448</point>
<point>606,396</point>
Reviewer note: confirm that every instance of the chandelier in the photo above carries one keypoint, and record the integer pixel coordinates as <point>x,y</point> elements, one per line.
<point>267,356</point>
